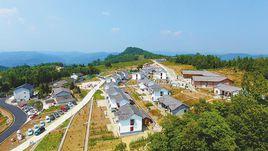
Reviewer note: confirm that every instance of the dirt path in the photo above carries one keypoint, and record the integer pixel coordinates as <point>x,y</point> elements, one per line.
<point>75,137</point>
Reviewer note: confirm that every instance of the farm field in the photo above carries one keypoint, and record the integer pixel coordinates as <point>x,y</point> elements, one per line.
<point>100,138</point>
<point>178,67</point>
<point>76,133</point>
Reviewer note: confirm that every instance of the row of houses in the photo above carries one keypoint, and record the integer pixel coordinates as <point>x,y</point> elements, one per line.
<point>162,98</point>
<point>154,72</point>
<point>221,85</point>
<point>128,118</point>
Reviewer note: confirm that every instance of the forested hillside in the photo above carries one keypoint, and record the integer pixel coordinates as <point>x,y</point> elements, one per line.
<point>2,68</point>
<point>129,54</point>
<point>40,75</point>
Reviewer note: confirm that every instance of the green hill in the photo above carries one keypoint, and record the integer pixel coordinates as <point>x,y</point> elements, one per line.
<point>131,54</point>
<point>2,68</point>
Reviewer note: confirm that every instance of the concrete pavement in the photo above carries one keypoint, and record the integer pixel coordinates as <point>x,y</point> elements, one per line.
<point>60,120</point>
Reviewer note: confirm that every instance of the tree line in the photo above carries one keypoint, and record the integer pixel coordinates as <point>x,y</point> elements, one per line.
<point>40,75</point>
<point>247,64</point>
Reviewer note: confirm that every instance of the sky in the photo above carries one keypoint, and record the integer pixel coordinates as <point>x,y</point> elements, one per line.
<point>181,26</point>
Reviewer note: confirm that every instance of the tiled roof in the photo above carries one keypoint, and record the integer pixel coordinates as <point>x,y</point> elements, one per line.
<point>209,78</point>
<point>169,101</point>
<point>26,86</point>
<point>126,111</point>
<point>229,88</point>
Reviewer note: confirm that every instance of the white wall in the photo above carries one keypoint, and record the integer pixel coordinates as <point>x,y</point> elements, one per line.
<point>157,76</point>
<point>157,95</point>
<point>22,94</point>
<point>136,76</point>
<point>124,125</point>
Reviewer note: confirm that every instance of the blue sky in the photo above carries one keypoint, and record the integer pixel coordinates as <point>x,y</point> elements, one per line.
<point>183,26</point>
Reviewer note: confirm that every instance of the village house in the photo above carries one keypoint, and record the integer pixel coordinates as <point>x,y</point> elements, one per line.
<point>62,95</point>
<point>60,83</point>
<point>129,119</point>
<point>226,91</point>
<point>209,81</point>
<point>160,74</point>
<point>204,79</point>
<point>157,91</point>
<point>172,105</point>
<point>23,92</point>
<point>77,76</point>
<point>137,76</point>
<point>115,97</point>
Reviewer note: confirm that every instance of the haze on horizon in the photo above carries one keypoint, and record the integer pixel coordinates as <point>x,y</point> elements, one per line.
<point>183,26</point>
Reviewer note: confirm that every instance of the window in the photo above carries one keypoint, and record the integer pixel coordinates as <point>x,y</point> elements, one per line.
<point>131,129</point>
<point>132,121</point>
<point>161,93</point>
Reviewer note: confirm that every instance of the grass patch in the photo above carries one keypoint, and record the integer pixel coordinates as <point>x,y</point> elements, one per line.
<point>98,95</point>
<point>50,142</point>
<point>52,109</point>
<point>138,144</point>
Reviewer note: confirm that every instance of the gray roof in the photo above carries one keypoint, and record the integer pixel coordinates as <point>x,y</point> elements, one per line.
<point>209,78</point>
<point>170,102</point>
<point>127,110</point>
<point>155,87</point>
<point>64,99</point>
<point>25,86</point>
<point>59,90</point>
<point>60,83</point>
<point>199,72</point>
<point>116,93</point>
<point>228,88</point>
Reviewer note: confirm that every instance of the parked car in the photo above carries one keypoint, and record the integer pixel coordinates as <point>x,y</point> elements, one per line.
<point>39,131</point>
<point>60,112</point>
<point>48,120</point>
<point>33,116</point>
<point>64,108</point>
<point>30,132</point>
<point>42,124</point>
<point>56,114</point>
<point>52,117</point>
<point>74,102</point>
<point>70,104</point>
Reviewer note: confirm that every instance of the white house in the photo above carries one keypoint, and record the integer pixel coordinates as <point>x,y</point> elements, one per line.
<point>137,76</point>
<point>115,97</point>
<point>76,76</point>
<point>23,92</point>
<point>157,91</point>
<point>226,91</point>
<point>129,119</point>
<point>160,75</point>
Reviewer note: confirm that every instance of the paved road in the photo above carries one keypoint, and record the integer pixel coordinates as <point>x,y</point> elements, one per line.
<point>60,120</point>
<point>19,119</point>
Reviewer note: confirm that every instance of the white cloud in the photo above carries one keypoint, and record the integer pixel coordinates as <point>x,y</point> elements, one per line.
<point>11,15</point>
<point>170,33</point>
<point>105,13</point>
<point>7,12</point>
<point>115,29</point>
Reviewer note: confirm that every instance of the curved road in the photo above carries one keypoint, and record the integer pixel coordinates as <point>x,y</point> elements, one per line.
<point>19,119</point>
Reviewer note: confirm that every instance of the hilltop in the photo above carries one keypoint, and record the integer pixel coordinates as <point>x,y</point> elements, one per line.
<point>132,54</point>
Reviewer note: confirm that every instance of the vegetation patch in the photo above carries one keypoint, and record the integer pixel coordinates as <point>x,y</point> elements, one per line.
<point>98,95</point>
<point>50,142</point>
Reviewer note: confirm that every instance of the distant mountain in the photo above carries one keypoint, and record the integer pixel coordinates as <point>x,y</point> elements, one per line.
<point>131,54</point>
<point>11,59</point>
